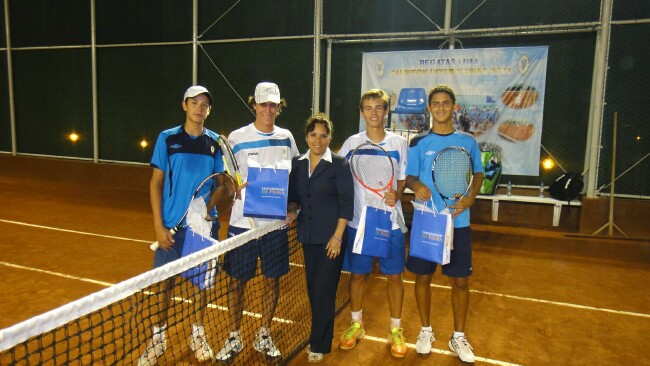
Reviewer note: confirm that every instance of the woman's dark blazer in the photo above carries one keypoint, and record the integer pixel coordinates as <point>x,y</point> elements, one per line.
<point>324,197</point>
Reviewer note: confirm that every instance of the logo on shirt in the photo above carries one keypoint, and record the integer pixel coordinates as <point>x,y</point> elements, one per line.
<point>430,152</point>
<point>212,149</point>
<point>176,146</point>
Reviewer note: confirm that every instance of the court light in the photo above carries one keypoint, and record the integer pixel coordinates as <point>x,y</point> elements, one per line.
<point>548,163</point>
<point>144,144</point>
<point>73,137</point>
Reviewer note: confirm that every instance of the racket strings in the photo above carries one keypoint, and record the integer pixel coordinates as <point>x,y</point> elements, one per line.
<point>219,195</point>
<point>452,172</point>
<point>374,171</point>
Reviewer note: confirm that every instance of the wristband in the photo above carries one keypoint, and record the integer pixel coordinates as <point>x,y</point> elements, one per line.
<point>337,239</point>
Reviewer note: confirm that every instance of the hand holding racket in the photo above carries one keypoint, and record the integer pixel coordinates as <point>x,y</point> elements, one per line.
<point>453,173</point>
<point>373,168</point>
<point>218,191</point>
<point>229,161</point>
<point>232,168</point>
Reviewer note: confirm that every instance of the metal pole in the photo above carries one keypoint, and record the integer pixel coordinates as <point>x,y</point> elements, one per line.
<point>195,51</point>
<point>447,29</point>
<point>318,9</point>
<point>10,82</point>
<point>93,52</point>
<point>598,95</point>
<point>328,77</point>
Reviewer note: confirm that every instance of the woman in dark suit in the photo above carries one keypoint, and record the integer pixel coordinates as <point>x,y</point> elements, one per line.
<point>321,195</point>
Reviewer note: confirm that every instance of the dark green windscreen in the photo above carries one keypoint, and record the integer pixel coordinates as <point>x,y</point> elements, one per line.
<point>140,84</point>
<point>287,63</point>
<point>5,122</point>
<point>53,98</point>
<point>143,21</point>
<point>255,19</point>
<point>627,83</point>
<point>140,94</point>
<point>382,16</point>
<point>49,23</point>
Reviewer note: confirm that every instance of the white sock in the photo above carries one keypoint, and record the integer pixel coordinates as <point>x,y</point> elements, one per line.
<point>429,328</point>
<point>234,334</point>
<point>159,333</point>
<point>357,315</point>
<point>395,323</point>
<point>458,334</point>
<point>197,330</point>
<point>264,331</point>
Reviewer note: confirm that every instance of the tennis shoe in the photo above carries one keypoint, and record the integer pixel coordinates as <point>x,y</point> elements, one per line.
<point>202,351</point>
<point>231,348</point>
<point>351,335</point>
<point>264,344</point>
<point>461,347</point>
<point>423,345</point>
<point>154,350</point>
<point>397,343</point>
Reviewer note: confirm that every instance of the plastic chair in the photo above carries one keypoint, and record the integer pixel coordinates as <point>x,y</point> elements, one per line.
<point>411,100</point>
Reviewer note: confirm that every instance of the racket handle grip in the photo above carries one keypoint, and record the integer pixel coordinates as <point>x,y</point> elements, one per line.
<point>154,246</point>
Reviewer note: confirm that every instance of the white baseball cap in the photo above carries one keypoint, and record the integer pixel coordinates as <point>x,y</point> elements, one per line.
<point>267,92</point>
<point>195,90</point>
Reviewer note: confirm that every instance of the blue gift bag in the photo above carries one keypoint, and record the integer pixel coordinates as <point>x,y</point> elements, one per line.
<point>204,274</point>
<point>431,235</point>
<point>267,193</point>
<point>374,232</point>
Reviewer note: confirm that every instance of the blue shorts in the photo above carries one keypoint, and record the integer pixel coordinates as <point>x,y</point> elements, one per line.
<point>362,264</point>
<point>162,257</point>
<point>272,250</point>
<point>460,262</point>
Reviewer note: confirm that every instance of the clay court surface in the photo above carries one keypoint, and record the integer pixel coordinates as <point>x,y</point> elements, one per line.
<point>538,297</point>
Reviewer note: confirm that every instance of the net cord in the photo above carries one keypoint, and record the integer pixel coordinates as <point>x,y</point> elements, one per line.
<point>11,336</point>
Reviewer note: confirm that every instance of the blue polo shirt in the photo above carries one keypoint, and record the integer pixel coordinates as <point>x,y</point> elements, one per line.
<point>423,150</point>
<point>186,160</point>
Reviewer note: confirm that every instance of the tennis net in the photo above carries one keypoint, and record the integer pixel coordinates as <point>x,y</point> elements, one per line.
<point>115,326</point>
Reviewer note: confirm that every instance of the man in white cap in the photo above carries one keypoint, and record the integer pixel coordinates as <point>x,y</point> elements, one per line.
<point>267,144</point>
<point>180,147</point>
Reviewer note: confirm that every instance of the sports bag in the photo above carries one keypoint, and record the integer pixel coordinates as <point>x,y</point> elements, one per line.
<point>567,186</point>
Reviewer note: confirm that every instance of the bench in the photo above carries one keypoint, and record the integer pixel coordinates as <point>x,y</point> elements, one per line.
<point>557,204</point>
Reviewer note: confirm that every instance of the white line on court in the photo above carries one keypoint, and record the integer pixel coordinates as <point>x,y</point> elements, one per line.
<point>541,301</point>
<point>445,352</point>
<point>58,274</point>
<point>372,338</point>
<point>73,231</point>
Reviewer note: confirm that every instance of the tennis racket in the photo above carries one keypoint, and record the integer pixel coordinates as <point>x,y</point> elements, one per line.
<point>229,160</point>
<point>453,173</point>
<point>373,168</point>
<point>232,167</point>
<point>218,191</point>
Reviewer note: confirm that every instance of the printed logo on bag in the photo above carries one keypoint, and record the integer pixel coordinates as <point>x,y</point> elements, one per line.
<point>382,233</point>
<point>273,191</point>
<point>426,235</point>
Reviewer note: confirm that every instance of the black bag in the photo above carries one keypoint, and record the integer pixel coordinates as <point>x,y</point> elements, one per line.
<point>567,186</point>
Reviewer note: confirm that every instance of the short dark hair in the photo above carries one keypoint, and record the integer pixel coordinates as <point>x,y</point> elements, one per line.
<point>374,94</point>
<point>442,88</point>
<point>321,118</point>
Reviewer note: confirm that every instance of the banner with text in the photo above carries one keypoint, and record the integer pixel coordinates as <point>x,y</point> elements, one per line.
<point>499,92</point>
